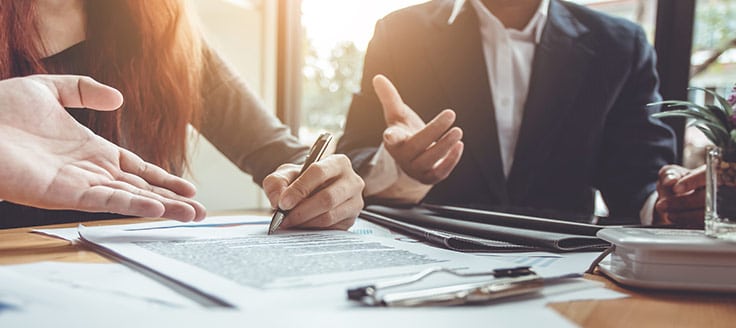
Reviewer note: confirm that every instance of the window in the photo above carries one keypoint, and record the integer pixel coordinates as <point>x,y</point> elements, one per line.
<point>333,56</point>
<point>336,34</point>
<point>243,32</point>
<point>643,12</point>
<point>713,64</point>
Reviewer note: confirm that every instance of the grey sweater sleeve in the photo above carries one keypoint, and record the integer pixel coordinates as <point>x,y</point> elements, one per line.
<point>237,123</point>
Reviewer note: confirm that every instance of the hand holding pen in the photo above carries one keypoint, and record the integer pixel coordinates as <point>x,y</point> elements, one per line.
<point>322,193</point>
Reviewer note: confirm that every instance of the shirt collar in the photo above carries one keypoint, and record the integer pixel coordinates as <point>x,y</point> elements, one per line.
<point>537,22</point>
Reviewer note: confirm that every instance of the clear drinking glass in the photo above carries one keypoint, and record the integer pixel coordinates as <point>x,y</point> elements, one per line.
<point>720,195</point>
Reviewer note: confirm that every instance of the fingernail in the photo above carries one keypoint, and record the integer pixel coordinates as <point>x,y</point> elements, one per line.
<point>390,136</point>
<point>287,202</point>
<point>671,174</point>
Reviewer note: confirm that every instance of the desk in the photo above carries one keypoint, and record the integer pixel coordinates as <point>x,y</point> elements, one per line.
<point>642,309</point>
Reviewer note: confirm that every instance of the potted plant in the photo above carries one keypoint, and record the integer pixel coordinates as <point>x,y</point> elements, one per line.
<point>717,122</point>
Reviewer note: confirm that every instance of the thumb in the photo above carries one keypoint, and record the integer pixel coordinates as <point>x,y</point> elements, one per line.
<point>393,105</point>
<point>82,92</point>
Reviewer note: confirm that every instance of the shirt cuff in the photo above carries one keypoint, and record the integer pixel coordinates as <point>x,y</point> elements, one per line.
<point>646,214</point>
<point>386,180</point>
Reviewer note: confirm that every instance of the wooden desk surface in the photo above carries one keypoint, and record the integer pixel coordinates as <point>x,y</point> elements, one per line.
<point>642,309</point>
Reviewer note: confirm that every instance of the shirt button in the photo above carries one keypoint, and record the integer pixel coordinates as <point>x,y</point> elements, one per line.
<point>505,101</point>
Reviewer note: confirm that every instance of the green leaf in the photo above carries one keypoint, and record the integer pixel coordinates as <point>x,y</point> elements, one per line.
<point>713,120</point>
<point>678,103</point>
<point>674,113</point>
<point>724,120</point>
<point>708,133</point>
<point>712,115</point>
<point>718,130</point>
<point>725,106</point>
<point>698,116</point>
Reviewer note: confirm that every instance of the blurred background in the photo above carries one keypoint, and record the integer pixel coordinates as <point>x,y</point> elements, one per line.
<point>304,58</point>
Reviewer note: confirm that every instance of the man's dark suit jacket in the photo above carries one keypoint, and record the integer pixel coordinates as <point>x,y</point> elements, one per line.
<point>586,123</point>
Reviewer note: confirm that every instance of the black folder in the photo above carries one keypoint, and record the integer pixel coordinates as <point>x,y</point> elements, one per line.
<point>567,226</point>
<point>502,232</point>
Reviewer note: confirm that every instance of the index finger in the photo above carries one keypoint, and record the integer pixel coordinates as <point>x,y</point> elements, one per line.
<point>131,163</point>
<point>82,92</point>
<point>312,179</point>
<point>275,183</point>
<point>432,132</point>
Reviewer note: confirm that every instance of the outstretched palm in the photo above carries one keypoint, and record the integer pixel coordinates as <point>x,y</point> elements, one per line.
<point>52,161</point>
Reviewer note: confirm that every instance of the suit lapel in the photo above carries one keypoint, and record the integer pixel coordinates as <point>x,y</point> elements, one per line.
<point>561,61</point>
<point>461,72</point>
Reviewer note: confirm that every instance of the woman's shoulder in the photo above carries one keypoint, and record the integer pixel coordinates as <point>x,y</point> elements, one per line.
<point>215,69</point>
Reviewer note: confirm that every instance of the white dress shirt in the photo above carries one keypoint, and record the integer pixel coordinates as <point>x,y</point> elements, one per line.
<point>509,54</point>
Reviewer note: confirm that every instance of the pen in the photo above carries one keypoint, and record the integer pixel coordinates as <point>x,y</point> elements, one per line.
<point>508,282</point>
<point>315,153</point>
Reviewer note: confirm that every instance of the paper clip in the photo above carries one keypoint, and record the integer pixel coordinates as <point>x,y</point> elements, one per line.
<point>505,283</point>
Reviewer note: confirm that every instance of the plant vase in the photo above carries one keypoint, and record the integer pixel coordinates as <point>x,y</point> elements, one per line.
<point>720,194</point>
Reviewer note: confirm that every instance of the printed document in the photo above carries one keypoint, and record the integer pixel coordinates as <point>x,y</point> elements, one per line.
<point>242,266</point>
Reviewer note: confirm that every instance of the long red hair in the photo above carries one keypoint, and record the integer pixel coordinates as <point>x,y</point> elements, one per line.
<point>146,49</point>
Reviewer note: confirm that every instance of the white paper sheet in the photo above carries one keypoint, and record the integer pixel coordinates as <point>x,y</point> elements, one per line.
<point>103,280</point>
<point>241,262</point>
<point>72,234</point>
<point>29,302</point>
<point>549,263</point>
<point>360,227</point>
<point>243,266</point>
<point>324,293</point>
<point>20,293</point>
<point>424,318</point>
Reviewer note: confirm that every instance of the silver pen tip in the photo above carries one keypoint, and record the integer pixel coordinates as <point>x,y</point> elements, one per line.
<point>276,220</point>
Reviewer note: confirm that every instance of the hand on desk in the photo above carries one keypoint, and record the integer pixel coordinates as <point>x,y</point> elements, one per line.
<point>327,195</point>
<point>51,161</point>
<point>681,196</point>
<point>426,152</point>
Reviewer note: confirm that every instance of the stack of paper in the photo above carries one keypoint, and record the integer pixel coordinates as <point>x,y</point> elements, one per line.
<point>231,261</point>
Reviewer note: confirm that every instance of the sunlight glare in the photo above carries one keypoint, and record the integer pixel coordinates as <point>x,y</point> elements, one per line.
<point>328,22</point>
